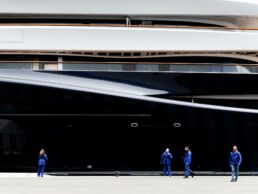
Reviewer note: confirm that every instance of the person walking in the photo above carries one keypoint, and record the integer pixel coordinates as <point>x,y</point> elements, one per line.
<point>235,160</point>
<point>187,162</point>
<point>166,162</point>
<point>42,162</point>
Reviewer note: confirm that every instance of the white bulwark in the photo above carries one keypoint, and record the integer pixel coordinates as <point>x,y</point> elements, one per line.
<point>52,38</point>
<point>132,7</point>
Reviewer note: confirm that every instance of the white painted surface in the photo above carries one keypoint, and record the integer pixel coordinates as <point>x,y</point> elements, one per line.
<point>19,175</point>
<point>129,185</point>
<point>132,7</point>
<point>11,36</point>
<point>52,38</point>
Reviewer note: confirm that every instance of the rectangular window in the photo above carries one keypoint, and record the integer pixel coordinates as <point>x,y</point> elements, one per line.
<point>191,68</point>
<point>93,67</point>
<point>142,67</point>
<point>15,65</point>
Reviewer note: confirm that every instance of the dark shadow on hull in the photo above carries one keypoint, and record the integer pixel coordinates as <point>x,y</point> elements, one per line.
<point>80,130</point>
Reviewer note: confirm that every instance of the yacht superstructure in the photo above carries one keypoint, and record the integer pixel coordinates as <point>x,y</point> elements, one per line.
<point>77,77</point>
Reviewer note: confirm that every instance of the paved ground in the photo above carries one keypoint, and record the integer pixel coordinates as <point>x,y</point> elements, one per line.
<point>29,184</point>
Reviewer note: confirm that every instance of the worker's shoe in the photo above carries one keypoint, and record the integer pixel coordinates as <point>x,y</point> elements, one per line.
<point>192,174</point>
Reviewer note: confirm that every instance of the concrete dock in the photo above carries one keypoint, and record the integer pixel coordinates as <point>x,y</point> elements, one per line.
<point>28,183</point>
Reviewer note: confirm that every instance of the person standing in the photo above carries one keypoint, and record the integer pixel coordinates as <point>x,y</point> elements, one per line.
<point>187,162</point>
<point>42,162</point>
<point>166,162</point>
<point>235,160</point>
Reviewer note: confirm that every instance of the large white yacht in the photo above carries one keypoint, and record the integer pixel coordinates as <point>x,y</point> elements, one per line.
<point>108,84</point>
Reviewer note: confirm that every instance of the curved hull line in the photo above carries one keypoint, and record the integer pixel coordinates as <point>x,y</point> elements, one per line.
<point>78,115</point>
<point>63,82</point>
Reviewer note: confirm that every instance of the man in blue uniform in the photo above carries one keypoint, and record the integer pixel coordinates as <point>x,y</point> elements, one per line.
<point>187,162</point>
<point>166,162</point>
<point>42,162</point>
<point>235,159</point>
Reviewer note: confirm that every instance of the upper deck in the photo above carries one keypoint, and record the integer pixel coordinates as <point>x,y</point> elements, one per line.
<point>226,13</point>
<point>132,7</point>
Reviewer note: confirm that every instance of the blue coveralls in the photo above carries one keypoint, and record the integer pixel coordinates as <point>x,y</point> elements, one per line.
<point>166,162</point>
<point>41,164</point>
<point>187,162</point>
<point>235,159</point>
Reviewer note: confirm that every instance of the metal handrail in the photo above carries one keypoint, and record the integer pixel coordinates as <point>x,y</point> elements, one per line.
<point>121,63</point>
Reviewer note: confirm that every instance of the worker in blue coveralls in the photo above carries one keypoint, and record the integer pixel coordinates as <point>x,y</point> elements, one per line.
<point>235,159</point>
<point>187,162</point>
<point>166,162</point>
<point>42,162</point>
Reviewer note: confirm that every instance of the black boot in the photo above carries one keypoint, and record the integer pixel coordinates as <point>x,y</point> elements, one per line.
<point>185,177</point>
<point>192,174</point>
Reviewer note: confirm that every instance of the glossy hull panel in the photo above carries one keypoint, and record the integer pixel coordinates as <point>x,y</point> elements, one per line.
<point>82,128</point>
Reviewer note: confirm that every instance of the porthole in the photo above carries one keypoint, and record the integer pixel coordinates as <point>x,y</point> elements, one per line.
<point>134,125</point>
<point>177,125</point>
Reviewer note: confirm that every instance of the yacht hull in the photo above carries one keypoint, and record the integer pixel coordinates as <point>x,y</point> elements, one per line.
<point>100,131</point>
